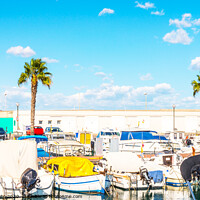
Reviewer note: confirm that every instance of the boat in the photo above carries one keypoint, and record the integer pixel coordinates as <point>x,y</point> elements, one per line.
<point>106,135</point>
<point>75,174</point>
<point>170,164</point>
<point>57,133</point>
<point>150,142</point>
<point>42,144</point>
<point>66,148</point>
<point>183,144</point>
<point>19,173</point>
<point>190,171</point>
<point>131,172</point>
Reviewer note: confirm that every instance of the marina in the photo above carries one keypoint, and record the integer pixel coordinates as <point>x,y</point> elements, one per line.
<point>138,164</point>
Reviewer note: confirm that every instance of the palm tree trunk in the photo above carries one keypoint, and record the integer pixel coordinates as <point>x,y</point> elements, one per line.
<point>33,103</point>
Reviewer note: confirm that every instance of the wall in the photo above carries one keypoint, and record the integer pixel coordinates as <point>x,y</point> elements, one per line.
<point>6,120</point>
<point>96,120</point>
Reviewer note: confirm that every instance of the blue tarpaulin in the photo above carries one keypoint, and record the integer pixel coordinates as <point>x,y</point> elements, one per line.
<point>141,135</point>
<point>42,153</point>
<point>156,175</point>
<point>37,138</point>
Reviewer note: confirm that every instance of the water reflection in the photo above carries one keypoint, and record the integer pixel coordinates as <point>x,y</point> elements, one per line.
<point>118,194</point>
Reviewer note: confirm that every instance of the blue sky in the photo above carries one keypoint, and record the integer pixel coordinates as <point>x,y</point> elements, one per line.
<point>104,54</point>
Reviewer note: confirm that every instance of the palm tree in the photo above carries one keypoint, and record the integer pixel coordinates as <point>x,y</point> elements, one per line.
<point>35,71</point>
<point>196,86</point>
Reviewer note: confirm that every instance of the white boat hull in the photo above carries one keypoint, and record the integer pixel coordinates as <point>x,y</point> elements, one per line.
<point>129,182</point>
<point>13,188</point>
<point>85,184</point>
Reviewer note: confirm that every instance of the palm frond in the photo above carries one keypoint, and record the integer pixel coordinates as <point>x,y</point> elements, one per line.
<point>46,81</point>
<point>23,78</point>
<point>48,74</point>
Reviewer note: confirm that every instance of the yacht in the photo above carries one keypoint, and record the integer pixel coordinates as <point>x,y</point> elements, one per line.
<point>143,141</point>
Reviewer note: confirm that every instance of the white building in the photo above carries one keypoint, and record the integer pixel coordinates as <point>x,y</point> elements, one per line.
<point>95,120</point>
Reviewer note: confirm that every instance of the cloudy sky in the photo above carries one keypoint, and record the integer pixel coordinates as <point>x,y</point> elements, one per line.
<point>103,54</point>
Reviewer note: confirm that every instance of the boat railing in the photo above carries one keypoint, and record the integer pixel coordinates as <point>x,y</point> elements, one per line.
<point>66,150</point>
<point>60,135</point>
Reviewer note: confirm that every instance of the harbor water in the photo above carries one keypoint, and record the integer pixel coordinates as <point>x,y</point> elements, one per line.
<point>118,194</point>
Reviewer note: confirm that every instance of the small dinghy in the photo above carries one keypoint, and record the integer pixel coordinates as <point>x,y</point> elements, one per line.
<point>190,171</point>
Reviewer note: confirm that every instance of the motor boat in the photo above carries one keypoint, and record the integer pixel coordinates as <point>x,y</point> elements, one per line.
<point>19,172</point>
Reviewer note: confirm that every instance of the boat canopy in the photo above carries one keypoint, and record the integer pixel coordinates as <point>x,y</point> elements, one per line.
<point>71,166</point>
<point>37,138</point>
<point>141,135</point>
<point>16,156</point>
<point>123,161</point>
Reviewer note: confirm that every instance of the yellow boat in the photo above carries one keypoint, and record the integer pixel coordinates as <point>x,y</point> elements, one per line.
<point>75,174</point>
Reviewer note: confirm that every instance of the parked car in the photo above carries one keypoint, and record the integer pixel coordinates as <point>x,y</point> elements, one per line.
<point>38,130</point>
<point>2,133</point>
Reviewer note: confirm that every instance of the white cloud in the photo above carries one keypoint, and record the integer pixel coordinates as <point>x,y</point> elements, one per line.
<point>19,91</point>
<point>106,96</point>
<point>147,5</point>
<point>195,64</point>
<point>100,74</point>
<point>163,87</point>
<point>106,11</point>
<point>178,36</point>
<point>104,76</point>
<point>196,22</point>
<point>190,102</point>
<point>146,77</point>
<point>188,99</point>
<point>195,30</point>
<point>158,13</point>
<point>110,96</point>
<point>20,51</point>
<point>22,95</point>
<point>184,22</point>
<point>49,60</point>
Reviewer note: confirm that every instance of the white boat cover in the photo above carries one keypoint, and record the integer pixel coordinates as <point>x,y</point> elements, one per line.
<point>16,156</point>
<point>123,161</point>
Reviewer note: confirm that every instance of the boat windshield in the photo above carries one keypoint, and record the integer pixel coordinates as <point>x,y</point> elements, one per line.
<point>109,133</point>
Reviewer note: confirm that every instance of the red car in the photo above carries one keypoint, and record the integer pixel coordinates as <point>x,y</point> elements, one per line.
<point>38,130</point>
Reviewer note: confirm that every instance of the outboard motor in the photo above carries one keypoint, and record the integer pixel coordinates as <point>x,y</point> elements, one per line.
<point>144,175</point>
<point>29,179</point>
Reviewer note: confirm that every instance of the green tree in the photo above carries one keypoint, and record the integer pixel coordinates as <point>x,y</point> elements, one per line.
<point>36,71</point>
<point>196,86</point>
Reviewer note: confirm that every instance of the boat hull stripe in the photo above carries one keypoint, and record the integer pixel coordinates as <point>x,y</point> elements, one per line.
<point>79,182</point>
